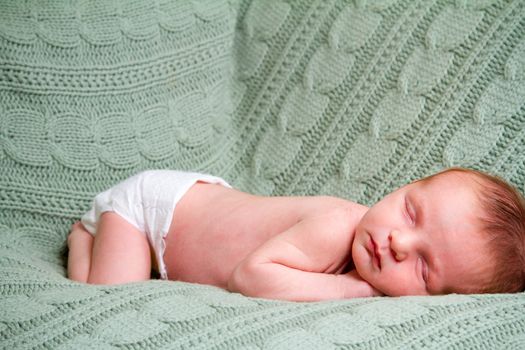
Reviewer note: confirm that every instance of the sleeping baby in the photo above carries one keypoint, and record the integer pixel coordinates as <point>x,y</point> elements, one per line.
<point>457,231</point>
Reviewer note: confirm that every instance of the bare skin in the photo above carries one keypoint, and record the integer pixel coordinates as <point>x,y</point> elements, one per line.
<point>420,239</point>
<point>218,233</point>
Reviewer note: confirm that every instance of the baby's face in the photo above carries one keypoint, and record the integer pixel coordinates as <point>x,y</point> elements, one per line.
<point>422,238</point>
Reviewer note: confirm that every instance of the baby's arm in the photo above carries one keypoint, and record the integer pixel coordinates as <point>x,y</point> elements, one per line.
<point>299,264</point>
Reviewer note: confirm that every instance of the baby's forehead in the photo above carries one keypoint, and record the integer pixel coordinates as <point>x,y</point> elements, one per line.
<point>451,176</point>
<point>451,181</point>
<point>458,186</point>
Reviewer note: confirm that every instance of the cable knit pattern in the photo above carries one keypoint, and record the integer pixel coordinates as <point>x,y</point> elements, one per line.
<point>337,97</point>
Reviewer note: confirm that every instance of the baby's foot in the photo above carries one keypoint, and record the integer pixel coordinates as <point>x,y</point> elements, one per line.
<point>77,226</point>
<point>77,229</point>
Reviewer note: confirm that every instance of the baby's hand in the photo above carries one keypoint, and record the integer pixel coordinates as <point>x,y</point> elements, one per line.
<point>355,287</point>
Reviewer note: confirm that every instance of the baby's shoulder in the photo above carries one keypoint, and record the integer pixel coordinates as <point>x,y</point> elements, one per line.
<point>337,212</point>
<point>339,206</point>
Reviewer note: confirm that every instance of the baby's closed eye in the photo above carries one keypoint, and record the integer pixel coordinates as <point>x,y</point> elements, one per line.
<point>409,211</point>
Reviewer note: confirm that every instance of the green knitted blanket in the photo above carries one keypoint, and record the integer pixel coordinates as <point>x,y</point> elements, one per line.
<point>346,98</point>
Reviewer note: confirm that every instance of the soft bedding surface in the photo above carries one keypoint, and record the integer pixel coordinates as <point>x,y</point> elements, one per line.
<point>344,98</point>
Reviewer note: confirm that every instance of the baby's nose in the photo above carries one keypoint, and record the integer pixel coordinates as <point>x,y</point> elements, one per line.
<point>399,245</point>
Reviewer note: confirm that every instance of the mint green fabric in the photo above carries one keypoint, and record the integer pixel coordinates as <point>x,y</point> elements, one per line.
<point>345,98</point>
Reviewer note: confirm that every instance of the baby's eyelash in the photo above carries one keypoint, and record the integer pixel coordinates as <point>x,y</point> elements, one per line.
<point>425,272</point>
<point>424,269</point>
<point>407,210</point>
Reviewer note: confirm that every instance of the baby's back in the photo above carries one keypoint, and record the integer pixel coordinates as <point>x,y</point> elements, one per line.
<point>215,227</point>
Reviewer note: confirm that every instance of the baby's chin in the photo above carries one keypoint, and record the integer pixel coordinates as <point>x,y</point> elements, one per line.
<point>361,268</point>
<point>373,283</point>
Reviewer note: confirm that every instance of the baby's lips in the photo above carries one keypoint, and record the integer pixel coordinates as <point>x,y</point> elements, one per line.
<point>373,249</point>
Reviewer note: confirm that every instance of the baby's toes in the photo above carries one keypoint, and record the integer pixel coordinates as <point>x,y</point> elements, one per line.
<point>76,226</point>
<point>74,231</point>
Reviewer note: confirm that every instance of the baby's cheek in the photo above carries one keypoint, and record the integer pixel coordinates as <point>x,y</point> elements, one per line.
<point>395,282</point>
<point>358,259</point>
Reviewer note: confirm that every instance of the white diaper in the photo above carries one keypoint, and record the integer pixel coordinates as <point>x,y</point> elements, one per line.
<point>147,201</point>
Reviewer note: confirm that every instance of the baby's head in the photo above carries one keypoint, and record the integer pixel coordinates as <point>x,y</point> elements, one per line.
<point>458,231</point>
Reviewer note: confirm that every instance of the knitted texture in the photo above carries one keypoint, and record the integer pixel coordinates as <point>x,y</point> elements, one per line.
<point>345,98</point>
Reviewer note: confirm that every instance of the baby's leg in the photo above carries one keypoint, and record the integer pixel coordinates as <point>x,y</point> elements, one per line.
<point>80,243</point>
<point>121,252</point>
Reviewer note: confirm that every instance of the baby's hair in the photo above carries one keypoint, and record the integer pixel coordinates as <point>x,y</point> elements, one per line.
<point>503,224</point>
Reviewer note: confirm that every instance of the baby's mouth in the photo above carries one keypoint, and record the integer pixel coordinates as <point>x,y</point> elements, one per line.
<point>375,253</point>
